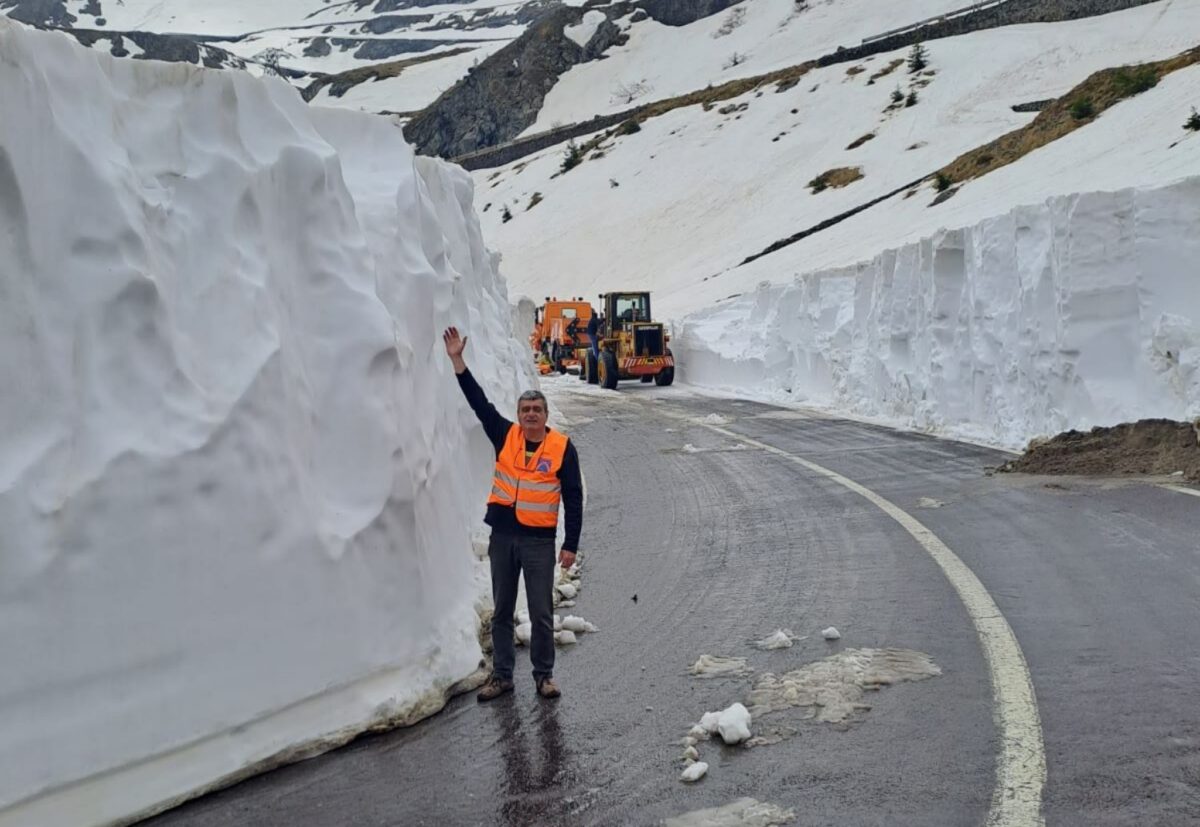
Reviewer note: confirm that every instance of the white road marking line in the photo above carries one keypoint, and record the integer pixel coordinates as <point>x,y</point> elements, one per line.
<point>1181,490</point>
<point>1021,765</point>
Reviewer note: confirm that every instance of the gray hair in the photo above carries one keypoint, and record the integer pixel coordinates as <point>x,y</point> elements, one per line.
<point>530,395</point>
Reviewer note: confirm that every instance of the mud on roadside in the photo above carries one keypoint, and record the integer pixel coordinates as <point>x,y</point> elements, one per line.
<point>1148,447</point>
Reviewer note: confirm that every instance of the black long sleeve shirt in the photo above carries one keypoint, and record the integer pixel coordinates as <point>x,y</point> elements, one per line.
<point>503,518</point>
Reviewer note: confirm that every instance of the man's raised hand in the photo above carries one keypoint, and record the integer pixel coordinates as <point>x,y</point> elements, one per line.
<point>454,348</point>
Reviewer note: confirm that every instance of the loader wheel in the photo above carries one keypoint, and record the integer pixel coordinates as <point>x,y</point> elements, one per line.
<point>665,377</point>
<point>608,370</point>
<point>591,368</point>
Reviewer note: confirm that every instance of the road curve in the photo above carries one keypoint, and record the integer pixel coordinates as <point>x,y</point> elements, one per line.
<point>711,512</point>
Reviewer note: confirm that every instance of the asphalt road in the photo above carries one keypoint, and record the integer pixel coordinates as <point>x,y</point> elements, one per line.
<point>724,542</point>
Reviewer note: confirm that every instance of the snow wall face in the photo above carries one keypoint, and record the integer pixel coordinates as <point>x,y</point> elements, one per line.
<point>1082,311</point>
<point>237,476</point>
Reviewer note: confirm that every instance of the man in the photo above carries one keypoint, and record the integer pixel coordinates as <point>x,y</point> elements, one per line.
<point>536,469</point>
<point>594,326</point>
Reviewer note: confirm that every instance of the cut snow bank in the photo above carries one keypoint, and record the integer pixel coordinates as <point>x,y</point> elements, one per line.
<point>236,474</point>
<point>1081,311</point>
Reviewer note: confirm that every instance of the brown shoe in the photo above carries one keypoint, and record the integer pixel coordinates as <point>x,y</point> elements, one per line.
<point>547,688</point>
<point>494,688</point>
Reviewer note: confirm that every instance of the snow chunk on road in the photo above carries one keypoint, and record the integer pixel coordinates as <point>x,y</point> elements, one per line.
<point>524,632</point>
<point>831,633</point>
<point>731,723</point>
<point>734,724</point>
<point>577,624</point>
<point>716,419</point>
<point>694,772</point>
<point>780,639</point>
<point>567,590</point>
<point>565,638</point>
<point>715,666</point>
<point>745,812</point>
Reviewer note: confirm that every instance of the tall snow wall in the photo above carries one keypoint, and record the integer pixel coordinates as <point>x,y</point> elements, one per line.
<point>237,477</point>
<point>1081,311</point>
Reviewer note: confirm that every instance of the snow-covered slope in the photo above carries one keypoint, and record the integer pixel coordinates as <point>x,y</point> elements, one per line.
<point>679,204</point>
<point>236,473</point>
<point>237,17</point>
<point>698,191</point>
<point>749,39</point>
<point>303,39</point>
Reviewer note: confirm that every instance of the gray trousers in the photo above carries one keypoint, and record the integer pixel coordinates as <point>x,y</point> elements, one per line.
<point>510,555</point>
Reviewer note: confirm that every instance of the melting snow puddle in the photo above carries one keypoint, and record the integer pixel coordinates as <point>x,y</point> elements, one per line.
<point>745,812</point>
<point>832,688</point>
<point>715,666</point>
<point>689,448</point>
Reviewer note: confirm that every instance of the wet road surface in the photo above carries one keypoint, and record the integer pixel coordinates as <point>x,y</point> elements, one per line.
<point>722,544</point>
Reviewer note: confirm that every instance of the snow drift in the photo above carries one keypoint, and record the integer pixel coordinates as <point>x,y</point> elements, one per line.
<point>236,473</point>
<point>1077,312</point>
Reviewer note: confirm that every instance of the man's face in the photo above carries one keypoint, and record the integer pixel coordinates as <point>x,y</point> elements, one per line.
<point>532,414</point>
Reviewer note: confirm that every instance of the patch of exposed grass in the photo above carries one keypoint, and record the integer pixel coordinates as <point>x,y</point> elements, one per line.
<point>1101,90</point>
<point>726,91</point>
<point>534,200</point>
<point>856,70</point>
<point>1133,80</point>
<point>835,178</point>
<point>857,142</point>
<point>342,82</point>
<point>886,70</point>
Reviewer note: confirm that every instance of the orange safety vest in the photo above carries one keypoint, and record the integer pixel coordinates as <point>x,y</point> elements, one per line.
<point>533,487</point>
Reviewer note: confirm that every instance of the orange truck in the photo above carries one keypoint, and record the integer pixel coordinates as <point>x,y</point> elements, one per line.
<point>559,329</point>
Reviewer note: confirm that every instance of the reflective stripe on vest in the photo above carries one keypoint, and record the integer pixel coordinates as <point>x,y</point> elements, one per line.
<point>531,486</point>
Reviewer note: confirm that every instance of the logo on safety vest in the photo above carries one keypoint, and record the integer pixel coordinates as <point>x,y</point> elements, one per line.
<point>544,465</point>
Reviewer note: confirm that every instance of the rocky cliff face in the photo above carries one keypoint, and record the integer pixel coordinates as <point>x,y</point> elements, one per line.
<point>501,97</point>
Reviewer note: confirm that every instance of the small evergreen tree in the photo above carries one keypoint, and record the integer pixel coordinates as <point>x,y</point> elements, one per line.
<point>1193,123</point>
<point>572,156</point>
<point>918,59</point>
<point>897,95</point>
<point>505,215</point>
<point>912,98</point>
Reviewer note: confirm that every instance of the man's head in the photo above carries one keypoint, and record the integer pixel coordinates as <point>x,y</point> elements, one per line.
<point>531,414</point>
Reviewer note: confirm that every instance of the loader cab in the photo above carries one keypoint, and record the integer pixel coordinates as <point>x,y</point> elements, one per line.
<point>622,309</point>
